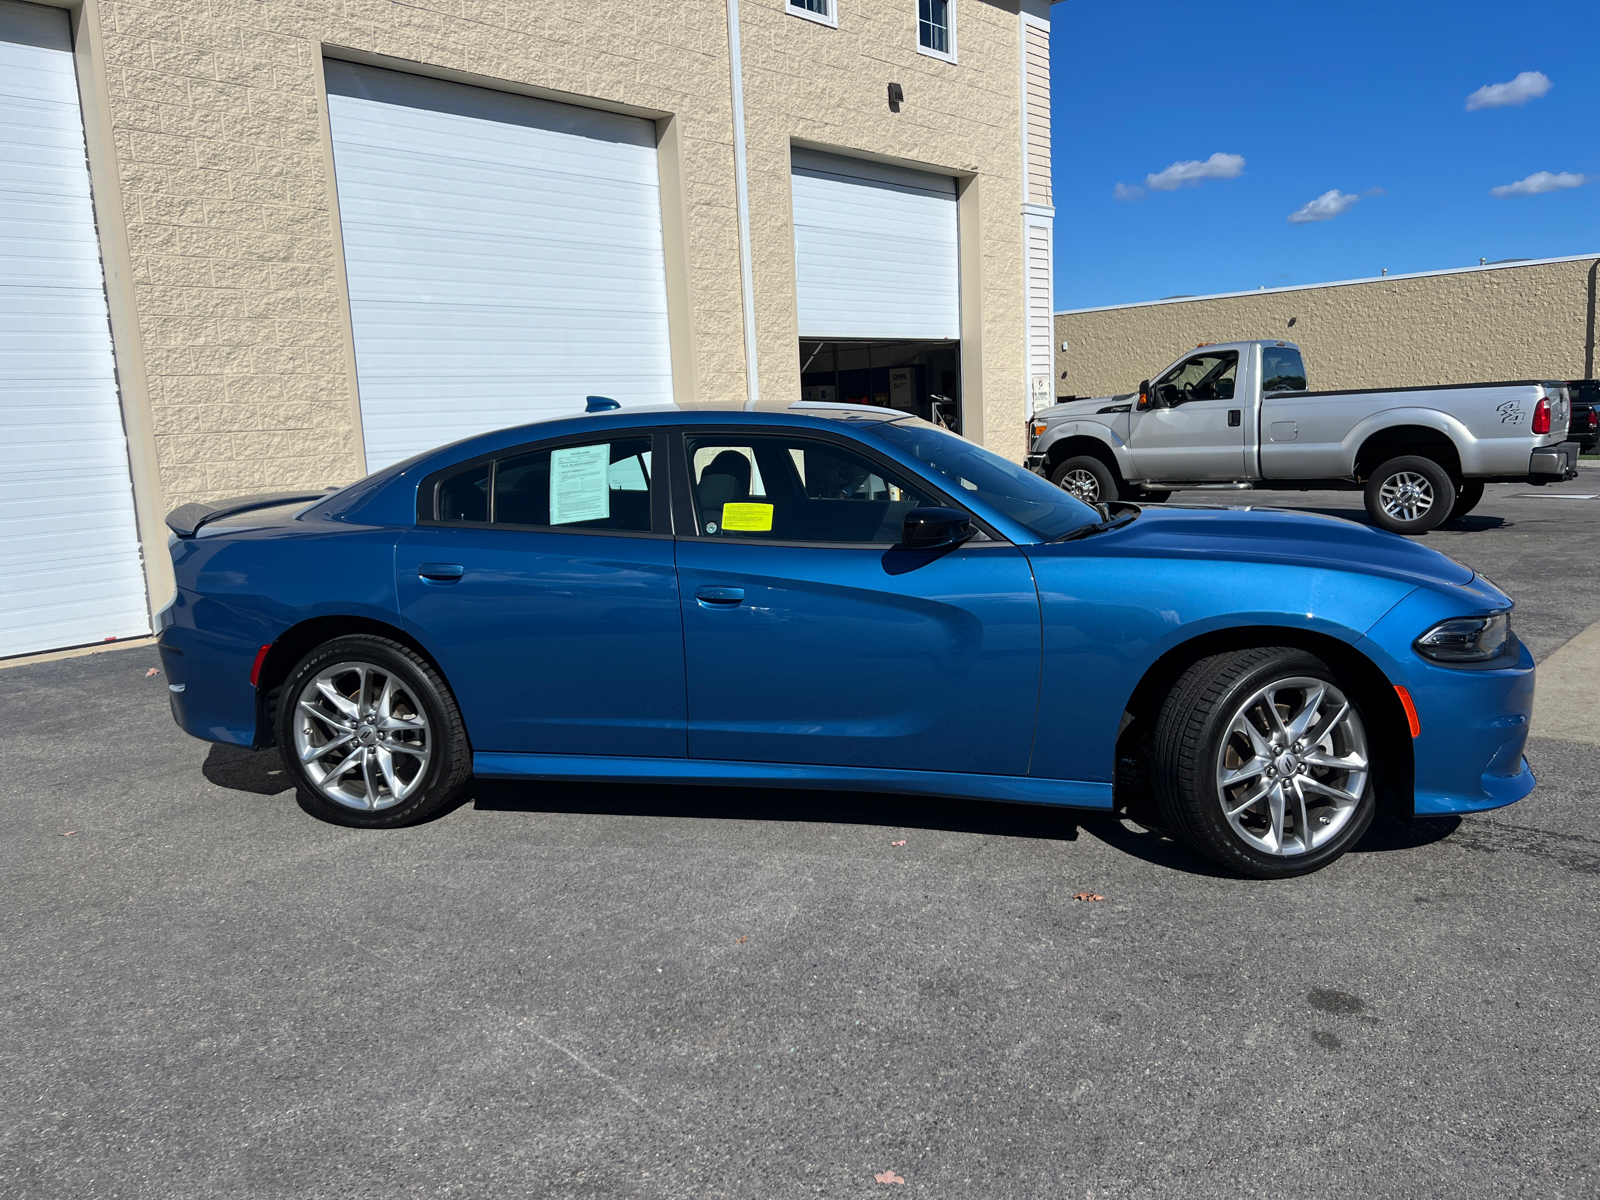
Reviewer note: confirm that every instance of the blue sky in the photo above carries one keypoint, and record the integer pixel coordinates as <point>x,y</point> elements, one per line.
<point>1353,96</point>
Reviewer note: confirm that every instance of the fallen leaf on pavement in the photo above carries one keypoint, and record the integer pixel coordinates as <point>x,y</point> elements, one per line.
<point>888,1177</point>
<point>152,671</point>
<point>1087,896</point>
<point>69,833</point>
<point>901,842</point>
<point>742,940</point>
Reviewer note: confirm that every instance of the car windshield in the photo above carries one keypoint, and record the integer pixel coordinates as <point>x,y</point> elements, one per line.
<point>1021,495</point>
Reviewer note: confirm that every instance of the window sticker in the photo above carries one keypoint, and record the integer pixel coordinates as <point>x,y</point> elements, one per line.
<point>579,490</point>
<point>746,518</point>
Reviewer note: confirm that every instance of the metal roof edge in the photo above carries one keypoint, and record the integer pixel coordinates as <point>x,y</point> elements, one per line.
<point>1306,287</point>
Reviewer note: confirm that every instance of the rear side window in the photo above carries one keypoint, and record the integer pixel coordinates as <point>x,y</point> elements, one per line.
<point>595,485</point>
<point>1282,369</point>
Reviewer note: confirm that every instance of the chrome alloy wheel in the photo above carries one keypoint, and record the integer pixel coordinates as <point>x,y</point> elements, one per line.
<point>1293,766</point>
<point>1081,485</point>
<point>362,736</point>
<point>1406,496</point>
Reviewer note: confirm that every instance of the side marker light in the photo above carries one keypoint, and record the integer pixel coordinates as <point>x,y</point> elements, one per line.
<point>261,657</point>
<point>1411,710</point>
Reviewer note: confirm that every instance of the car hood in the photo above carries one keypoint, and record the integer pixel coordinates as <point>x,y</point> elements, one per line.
<point>1083,408</point>
<point>1280,535</point>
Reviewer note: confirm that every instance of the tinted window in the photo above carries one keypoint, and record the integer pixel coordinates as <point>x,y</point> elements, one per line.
<point>1282,369</point>
<point>776,488</point>
<point>1021,495</point>
<point>1203,377</point>
<point>597,485</point>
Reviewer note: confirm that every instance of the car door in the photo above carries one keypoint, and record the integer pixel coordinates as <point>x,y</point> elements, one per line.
<point>542,581</point>
<point>811,636</point>
<point>1194,427</point>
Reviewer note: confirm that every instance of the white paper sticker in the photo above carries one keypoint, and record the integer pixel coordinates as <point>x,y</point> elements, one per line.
<point>578,487</point>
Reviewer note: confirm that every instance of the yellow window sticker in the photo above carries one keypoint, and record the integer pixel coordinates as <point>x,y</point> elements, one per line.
<point>747,518</point>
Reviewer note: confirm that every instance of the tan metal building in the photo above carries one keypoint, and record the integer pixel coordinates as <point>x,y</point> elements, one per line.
<point>260,244</point>
<point>1520,320</point>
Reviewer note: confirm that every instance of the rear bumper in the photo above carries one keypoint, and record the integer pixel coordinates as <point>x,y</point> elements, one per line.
<point>1552,464</point>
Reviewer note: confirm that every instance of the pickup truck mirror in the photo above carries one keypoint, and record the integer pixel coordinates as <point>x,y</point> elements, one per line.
<point>1145,400</point>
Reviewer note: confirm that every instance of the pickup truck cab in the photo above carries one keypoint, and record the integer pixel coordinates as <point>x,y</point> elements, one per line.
<point>1239,416</point>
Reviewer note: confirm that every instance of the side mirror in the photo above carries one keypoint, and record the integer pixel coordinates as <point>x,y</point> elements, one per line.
<point>935,528</point>
<point>1145,400</point>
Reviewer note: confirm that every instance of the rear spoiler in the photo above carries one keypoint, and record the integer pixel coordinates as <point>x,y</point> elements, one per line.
<point>186,520</point>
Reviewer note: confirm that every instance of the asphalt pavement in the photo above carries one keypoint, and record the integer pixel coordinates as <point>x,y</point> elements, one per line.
<point>597,992</point>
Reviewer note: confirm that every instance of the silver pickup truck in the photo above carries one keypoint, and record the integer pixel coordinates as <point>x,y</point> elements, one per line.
<point>1237,416</point>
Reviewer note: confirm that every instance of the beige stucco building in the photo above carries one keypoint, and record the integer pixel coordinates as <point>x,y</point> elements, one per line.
<point>1521,320</point>
<point>329,233</point>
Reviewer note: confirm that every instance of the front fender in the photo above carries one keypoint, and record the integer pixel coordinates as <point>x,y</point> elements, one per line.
<point>1113,441</point>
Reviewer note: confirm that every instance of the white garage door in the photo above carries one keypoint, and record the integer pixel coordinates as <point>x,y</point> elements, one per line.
<point>70,567</point>
<point>504,257</point>
<point>876,250</point>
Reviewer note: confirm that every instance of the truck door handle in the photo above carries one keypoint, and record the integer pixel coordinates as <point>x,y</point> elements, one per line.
<point>1233,418</point>
<point>719,597</point>
<point>441,572</point>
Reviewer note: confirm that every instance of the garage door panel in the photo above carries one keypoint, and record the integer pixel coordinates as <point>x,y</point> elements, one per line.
<point>504,257</point>
<point>70,567</point>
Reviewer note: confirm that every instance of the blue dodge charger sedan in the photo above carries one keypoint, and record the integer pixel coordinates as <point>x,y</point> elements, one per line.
<point>836,596</point>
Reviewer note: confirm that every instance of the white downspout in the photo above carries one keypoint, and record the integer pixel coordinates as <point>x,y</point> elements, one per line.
<point>741,180</point>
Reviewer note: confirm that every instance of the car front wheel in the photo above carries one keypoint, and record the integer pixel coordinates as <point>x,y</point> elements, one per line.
<point>371,733</point>
<point>1261,762</point>
<point>1086,478</point>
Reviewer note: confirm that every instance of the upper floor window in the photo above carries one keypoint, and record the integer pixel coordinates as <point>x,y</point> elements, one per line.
<point>936,28</point>
<point>822,11</point>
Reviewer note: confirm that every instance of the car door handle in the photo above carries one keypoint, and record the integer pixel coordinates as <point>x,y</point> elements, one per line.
<point>1233,418</point>
<point>719,597</point>
<point>442,572</point>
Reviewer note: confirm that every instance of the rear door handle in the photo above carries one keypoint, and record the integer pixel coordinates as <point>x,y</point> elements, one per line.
<point>441,572</point>
<point>719,597</point>
<point>1233,418</point>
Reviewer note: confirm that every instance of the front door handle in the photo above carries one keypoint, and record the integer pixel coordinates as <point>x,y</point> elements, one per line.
<point>719,597</point>
<point>1233,418</point>
<point>441,572</point>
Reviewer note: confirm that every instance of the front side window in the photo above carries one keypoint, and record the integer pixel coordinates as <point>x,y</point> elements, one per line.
<point>1203,377</point>
<point>935,28</point>
<point>776,488</point>
<point>1021,495</point>
<point>1282,369</point>
<point>594,485</point>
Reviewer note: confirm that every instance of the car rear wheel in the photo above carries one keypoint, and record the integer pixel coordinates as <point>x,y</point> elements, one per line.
<point>1410,494</point>
<point>1467,498</point>
<point>371,733</point>
<point>1260,762</point>
<point>1086,478</point>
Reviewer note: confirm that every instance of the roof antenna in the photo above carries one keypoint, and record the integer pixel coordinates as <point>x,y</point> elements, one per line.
<point>600,404</point>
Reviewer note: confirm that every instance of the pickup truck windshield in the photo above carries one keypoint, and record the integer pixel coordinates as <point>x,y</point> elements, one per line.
<point>1021,495</point>
<point>1282,369</point>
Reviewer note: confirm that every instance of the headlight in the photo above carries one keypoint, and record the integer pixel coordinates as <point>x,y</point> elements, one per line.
<point>1467,639</point>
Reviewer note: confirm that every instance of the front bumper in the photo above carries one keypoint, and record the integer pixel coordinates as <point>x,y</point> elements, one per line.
<point>1034,463</point>
<point>1552,464</point>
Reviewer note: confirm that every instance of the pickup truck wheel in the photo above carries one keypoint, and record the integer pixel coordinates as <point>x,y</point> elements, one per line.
<point>1260,762</point>
<point>371,733</point>
<point>1154,497</point>
<point>1086,478</point>
<point>1467,498</point>
<point>1410,495</point>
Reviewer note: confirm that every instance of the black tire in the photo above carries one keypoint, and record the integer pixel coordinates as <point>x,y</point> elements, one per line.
<point>424,716</point>
<point>1078,475</point>
<point>1431,495</point>
<point>1193,741</point>
<point>1467,499</point>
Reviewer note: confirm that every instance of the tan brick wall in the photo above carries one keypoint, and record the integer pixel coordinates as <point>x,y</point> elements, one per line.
<point>221,153</point>
<point>1512,322</point>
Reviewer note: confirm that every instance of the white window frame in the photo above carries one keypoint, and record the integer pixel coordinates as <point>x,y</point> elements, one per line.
<point>942,55</point>
<point>830,19</point>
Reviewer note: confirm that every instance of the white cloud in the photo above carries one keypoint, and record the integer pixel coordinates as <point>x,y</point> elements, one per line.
<point>1123,192</point>
<point>1540,182</point>
<point>1529,85</point>
<point>1324,208</point>
<point>1218,166</point>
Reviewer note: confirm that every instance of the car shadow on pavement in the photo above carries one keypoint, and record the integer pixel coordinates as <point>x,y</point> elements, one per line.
<point>245,770</point>
<point>1472,523</point>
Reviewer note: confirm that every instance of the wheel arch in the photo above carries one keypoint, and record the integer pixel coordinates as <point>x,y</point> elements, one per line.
<point>1388,730</point>
<point>295,642</point>
<point>1075,444</point>
<point>1395,441</point>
